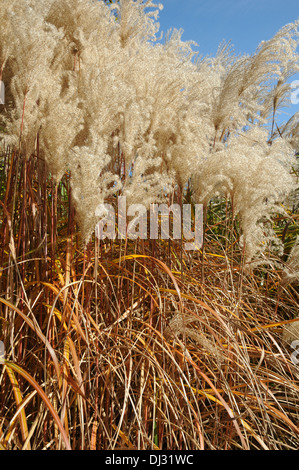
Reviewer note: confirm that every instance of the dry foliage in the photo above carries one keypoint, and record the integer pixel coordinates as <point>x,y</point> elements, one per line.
<point>140,344</point>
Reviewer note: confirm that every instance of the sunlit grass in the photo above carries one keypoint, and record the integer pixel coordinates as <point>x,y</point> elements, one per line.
<point>136,344</point>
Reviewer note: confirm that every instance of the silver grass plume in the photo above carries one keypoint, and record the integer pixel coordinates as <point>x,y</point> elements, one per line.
<point>122,111</point>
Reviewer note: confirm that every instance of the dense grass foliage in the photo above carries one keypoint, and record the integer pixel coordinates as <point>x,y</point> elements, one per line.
<point>137,344</point>
<point>140,344</point>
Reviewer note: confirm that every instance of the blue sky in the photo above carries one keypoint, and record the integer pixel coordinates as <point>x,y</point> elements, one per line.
<point>243,22</point>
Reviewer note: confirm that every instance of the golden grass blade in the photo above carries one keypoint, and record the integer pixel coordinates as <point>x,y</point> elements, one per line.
<point>158,261</point>
<point>10,427</point>
<point>64,417</point>
<point>59,293</point>
<point>43,396</point>
<point>36,329</point>
<point>19,400</point>
<point>124,437</point>
<point>70,344</point>
<point>93,441</point>
<point>223,402</point>
<point>273,325</point>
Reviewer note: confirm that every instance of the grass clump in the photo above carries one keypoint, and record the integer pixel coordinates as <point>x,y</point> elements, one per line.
<point>137,344</point>
<point>142,344</point>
